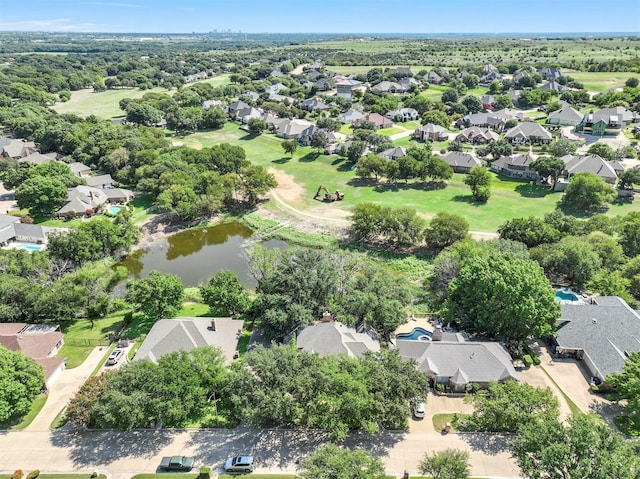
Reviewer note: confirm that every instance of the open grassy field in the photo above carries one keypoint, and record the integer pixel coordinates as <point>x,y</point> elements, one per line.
<point>218,80</point>
<point>510,198</point>
<point>104,104</point>
<point>601,81</point>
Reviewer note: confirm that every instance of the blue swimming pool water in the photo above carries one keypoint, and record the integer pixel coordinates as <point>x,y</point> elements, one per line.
<point>30,247</point>
<point>566,296</point>
<point>114,209</point>
<point>418,334</point>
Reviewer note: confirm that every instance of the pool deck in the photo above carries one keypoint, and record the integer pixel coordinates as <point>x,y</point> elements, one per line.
<point>414,323</point>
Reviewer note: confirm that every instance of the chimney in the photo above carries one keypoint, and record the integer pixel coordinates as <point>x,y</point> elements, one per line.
<point>213,324</point>
<point>326,316</point>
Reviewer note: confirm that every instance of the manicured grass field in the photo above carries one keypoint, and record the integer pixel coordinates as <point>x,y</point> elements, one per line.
<point>601,81</point>
<point>389,131</point>
<point>509,199</point>
<point>104,104</point>
<point>81,337</point>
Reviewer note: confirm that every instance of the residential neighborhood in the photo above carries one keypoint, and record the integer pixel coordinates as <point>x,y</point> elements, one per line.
<point>278,250</point>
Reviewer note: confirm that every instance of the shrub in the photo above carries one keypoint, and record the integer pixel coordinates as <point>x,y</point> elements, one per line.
<point>33,474</point>
<point>526,359</point>
<point>17,474</point>
<point>205,472</point>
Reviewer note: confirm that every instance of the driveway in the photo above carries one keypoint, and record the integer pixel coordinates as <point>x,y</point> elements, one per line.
<point>63,390</point>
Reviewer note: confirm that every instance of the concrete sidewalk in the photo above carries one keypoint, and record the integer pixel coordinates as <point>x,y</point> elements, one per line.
<point>64,388</point>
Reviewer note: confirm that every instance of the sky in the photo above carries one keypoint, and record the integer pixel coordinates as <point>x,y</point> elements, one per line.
<point>321,16</point>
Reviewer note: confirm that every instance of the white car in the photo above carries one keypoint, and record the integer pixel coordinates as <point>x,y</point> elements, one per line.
<point>239,464</point>
<point>115,356</point>
<point>418,409</point>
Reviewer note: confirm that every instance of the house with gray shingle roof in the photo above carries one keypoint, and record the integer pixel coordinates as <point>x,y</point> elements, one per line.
<point>591,163</point>
<point>311,104</point>
<point>608,121</point>
<point>184,334</point>
<point>16,148</point>
<point>79,169</point>
<point>431,132</point>
<point>350,116</point>
<point>476,135</point>
<point>11,229</point>
<point>433,78</point>
<point>458,364</point>
<point>527,132</point>
<point>334,338</point>
<point>394,153</point>
<point>461,162</point>
<point>403,114</point>
<point>603,334</point>
<point>515,166</point>
<point>567,115</point>
<point>35,159</point>
<point>99,181</point>
<point>82,198</point>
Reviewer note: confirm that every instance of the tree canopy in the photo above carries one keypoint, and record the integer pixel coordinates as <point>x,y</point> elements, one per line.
<point>331,461</point>
<point>157,296</point>
<point>588,191</point>
<point>21,379</point>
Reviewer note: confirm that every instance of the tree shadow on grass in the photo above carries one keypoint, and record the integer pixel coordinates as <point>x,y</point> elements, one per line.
<point>345,166</point>
<point>469,199</point>
<point>281,161</point>
<point>533,191</point>
<point>309,157</point>
<point>580,213</point>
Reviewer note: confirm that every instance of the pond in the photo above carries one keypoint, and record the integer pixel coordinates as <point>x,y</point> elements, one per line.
<point>197,254</point>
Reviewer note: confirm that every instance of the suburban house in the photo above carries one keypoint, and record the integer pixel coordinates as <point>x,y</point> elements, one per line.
<point>394,153</point>
<point>16,148</point>
<point>245,115</point>
<point>35,159</point>
<point>80,169</point>
<point>490,77</point>
<point>99,181</point>
<point>334,338</point>
<point>515,166</point>
<point>431,132</point>
<point>234,110</point>
<point>488,101</point>
<point>514,95</point>
<point>476,135</point>
<point>458,364</point>
<point>345,88</point>
<point>593,164</point>
<point>608,121</point>
<point>251,95</point>
<point>287,100</point>
<point>603,334</point>
<point>314,74</point>
<point>300,130</point>
<point>350,116</point>
<point>554,86</point>
<point>11,229</point>
<point>388,87</point>
<point>403,114</point>
<point>184,334</point>
<point>211,104</point>
<point>203,75</point>
<point>378,120</point>
<point>324,84</point>
<point>550,73</point>
<point>408,83</point>
<point>82,199</point>
<point>527,132</point>
<point>461,162</point>
<point>276,88</point>
<point>482,120</point>
<point>433,78</point>
<point>118,195</point>
<point>311,104</point>
<point>40,342</point>
<point>567,115</point>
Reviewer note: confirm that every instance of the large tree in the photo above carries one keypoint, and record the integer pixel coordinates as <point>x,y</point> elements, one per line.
<point>331,461</point>
<point>157,296</point>
<point>630,234</point>
<point>530,231</point>
<point>574,259</point>
<point>585,448</point>
<point>21,379</point>
<point>479,180</point>
<point>547,166</point>
<point>41,195</point>
<point>503,296</point>
<point>445,229</point>
<point>447,464</point>
<point>225,294</point>
<point>588,191</point>
<point>505,407</point>
<point>627,387</point>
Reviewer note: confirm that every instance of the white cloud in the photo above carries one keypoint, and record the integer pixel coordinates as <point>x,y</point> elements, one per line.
<point>53,25</point>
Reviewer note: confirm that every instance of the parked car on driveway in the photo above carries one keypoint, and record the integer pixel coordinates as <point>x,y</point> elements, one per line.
<point>115,356</point>
<point>418,409</point>
<point>239,464</point>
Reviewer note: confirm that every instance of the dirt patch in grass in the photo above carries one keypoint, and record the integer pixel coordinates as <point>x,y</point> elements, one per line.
<point>287,188</point>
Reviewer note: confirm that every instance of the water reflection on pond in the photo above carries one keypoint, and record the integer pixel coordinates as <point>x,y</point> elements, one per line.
<point>196,255</point>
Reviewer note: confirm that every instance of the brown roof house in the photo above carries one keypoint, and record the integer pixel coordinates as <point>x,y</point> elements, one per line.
<point>430,132</point>
<point>184,334</point>
<point>40,342</point>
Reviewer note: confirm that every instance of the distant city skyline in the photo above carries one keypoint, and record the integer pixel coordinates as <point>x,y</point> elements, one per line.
<point>321,16</point>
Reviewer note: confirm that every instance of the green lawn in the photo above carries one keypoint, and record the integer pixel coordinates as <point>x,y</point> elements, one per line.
<point>601,81</point>
<point>439,420</point>
<point>104,104</point>
<point>389,131</point>
<point>218,80</point>
<point>509,199</point>
<point>82,336</point>
<point>18,423</point>
<point>194,310</point>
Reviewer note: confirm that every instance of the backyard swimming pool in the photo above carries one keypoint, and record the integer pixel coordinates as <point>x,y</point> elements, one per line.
<point>417,334</point>
<point>114,209</point>
<point>566,296</point>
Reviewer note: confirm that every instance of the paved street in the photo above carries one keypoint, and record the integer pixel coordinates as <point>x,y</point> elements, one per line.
<point>127,453</point>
